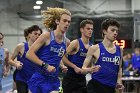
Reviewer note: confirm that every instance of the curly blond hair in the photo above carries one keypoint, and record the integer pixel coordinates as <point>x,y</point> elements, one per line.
<point>51,14</point>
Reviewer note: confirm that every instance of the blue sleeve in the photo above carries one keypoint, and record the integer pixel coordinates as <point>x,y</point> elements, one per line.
<point>134,62</point>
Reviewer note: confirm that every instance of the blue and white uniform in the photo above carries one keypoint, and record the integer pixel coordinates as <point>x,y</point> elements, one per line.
<point>79,57</point>
<point>28,69</point>
<point>73,82</point>
<point>43,81</point>
<point>109,63</point>
<point>136,62</point>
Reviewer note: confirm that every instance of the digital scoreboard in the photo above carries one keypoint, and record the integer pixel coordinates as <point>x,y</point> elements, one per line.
<point>123,43</point>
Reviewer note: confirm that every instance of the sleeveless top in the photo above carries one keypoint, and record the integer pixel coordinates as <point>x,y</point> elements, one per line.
<point>136,61</point>
<point>28,67</point>
<point>79,57</point>
<point>109,63</point>
<point>52,55</point>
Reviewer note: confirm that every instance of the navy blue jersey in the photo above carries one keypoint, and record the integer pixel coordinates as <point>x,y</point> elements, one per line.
<point>52,55</point>
<point>28,69</point>
<point>109,63</point>
<point>126,64</point>
<point>136,61</point>
<point>79,57</point>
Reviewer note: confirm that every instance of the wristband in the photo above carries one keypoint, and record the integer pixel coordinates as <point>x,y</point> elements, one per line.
<point>45,65</point>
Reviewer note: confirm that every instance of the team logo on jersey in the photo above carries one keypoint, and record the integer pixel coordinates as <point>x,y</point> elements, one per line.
<point>60,51</point>
<point>115,60</point>
<point>102,53</point>
<point>83,54</point>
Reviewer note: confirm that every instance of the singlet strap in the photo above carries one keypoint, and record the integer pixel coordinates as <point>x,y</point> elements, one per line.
<point>52,35</point>
<point>65,40</point>
<point>90,43</point>
<point>118,48</point>
<point>80,43</point>
<point>101,45</point>
<point>26,47</point>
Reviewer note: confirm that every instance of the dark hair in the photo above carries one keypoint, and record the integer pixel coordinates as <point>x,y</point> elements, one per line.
<point>26,33</point>
<point>2,34</point>
<point>109,22</point>
<point>84,22</point>
<point>34,28</point>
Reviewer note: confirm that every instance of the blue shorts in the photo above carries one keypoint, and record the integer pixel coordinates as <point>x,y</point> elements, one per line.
<point>43,84</point>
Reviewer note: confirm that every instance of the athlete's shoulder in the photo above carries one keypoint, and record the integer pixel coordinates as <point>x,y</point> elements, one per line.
<point>121,49</point>
<point>67,41</point>
<point>94,47</point>
<point>20,45</point>
<point>45,34</point>
<point>74,42</point>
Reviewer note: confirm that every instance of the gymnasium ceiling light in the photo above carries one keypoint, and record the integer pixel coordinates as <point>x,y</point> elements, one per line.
<point>39,2</point>
<point>36,7</point>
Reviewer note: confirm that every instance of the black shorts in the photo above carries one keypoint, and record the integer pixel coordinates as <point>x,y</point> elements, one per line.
<point>73,83</point>
<point>96,87</point>
<point>22,87</point>
<point>14,75</point>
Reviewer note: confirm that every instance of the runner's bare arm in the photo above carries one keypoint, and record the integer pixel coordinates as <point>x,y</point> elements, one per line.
<point>31,54</point>
<point>17,51</point>
<point>85,68</point>
<point>70,50</point>
<point>120,69</point>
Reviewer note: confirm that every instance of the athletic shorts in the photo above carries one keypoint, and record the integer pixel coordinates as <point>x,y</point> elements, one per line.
<point>43,84</point>
<point>73,83</point>
<point>22,87</point>
<point>14,75</point>
<point>96,87</point>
